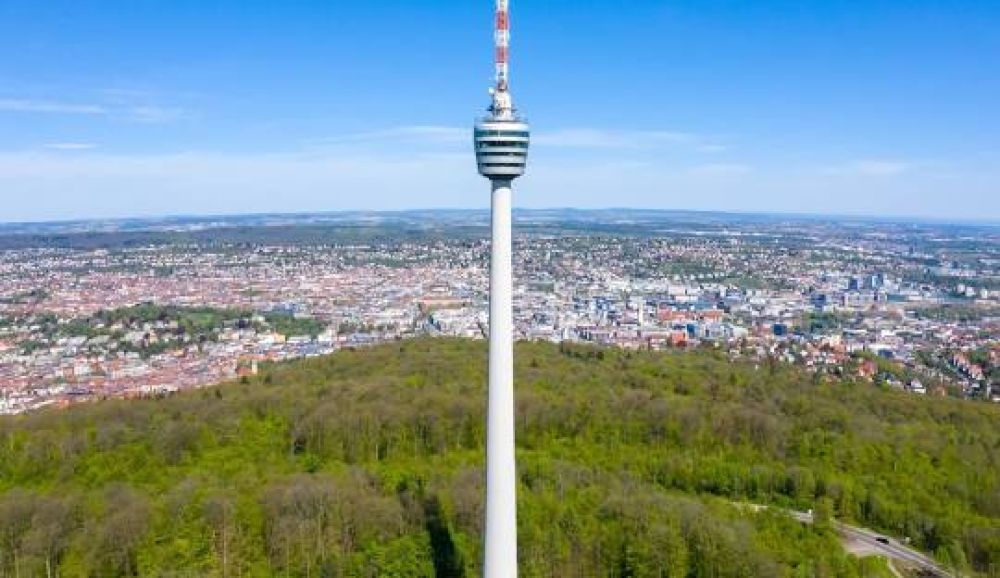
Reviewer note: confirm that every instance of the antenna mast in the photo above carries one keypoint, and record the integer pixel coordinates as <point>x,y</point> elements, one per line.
<point>503,106</point>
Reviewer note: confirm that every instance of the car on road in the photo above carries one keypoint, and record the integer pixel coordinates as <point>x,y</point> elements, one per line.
<point>882,539</point>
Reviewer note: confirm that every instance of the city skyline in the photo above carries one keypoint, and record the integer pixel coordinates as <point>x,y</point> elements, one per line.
<point>875,110</point>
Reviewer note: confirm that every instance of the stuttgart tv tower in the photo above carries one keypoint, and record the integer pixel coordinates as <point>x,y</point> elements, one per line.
<point>501,141</point>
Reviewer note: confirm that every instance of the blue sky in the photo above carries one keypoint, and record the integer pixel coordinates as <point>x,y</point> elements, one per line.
<point>140,107</point>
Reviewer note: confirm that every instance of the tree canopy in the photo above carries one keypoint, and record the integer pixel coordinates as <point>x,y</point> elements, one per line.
<point>369,463</point>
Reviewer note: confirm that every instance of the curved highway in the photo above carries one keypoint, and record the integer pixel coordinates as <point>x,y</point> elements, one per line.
<point>880,544</point>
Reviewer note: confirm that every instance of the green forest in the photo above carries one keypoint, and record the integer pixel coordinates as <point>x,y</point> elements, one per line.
<point>369,462</point>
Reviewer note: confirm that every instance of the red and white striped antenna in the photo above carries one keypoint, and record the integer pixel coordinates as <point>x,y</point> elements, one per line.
<point>503,106</point>
<point>502,43</point>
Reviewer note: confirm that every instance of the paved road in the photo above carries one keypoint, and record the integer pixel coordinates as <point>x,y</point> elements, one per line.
<point>891,549</point>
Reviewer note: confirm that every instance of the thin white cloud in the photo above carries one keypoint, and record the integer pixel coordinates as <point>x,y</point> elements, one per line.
<point>614,139</point>
<point>878,167</point>
<point>49,107</point>
<point>870,168</point>
<point>711,148</point>
<point>154,114</point>
<point>414,134</point>
<point>71,146</point>
<point>133,112</point>
<point>125,95</point>
<point>720,169</point>
<point>449,134</point>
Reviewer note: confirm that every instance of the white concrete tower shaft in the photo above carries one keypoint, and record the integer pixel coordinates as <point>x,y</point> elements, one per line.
<point>501,144</point>
<point>500,560</point>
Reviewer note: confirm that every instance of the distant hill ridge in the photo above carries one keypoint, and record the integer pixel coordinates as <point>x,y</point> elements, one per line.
<point>374,226</point>
<point>368,463</point>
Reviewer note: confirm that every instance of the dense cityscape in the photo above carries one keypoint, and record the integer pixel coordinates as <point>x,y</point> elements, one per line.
<point>90,311</point>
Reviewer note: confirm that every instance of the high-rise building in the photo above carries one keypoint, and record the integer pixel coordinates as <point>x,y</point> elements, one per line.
<point>501,141</point>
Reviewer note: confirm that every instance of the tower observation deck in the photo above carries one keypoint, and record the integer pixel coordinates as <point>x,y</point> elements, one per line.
<point>502,147</point>
<point>502,137</point>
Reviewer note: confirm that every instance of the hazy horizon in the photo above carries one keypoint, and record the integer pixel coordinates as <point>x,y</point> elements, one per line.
<point>805,216</point>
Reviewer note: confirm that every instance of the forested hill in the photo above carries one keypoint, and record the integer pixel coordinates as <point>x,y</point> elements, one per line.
<point>369,463</point>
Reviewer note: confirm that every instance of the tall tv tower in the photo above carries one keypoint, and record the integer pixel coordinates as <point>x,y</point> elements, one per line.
<point>501,141</point>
